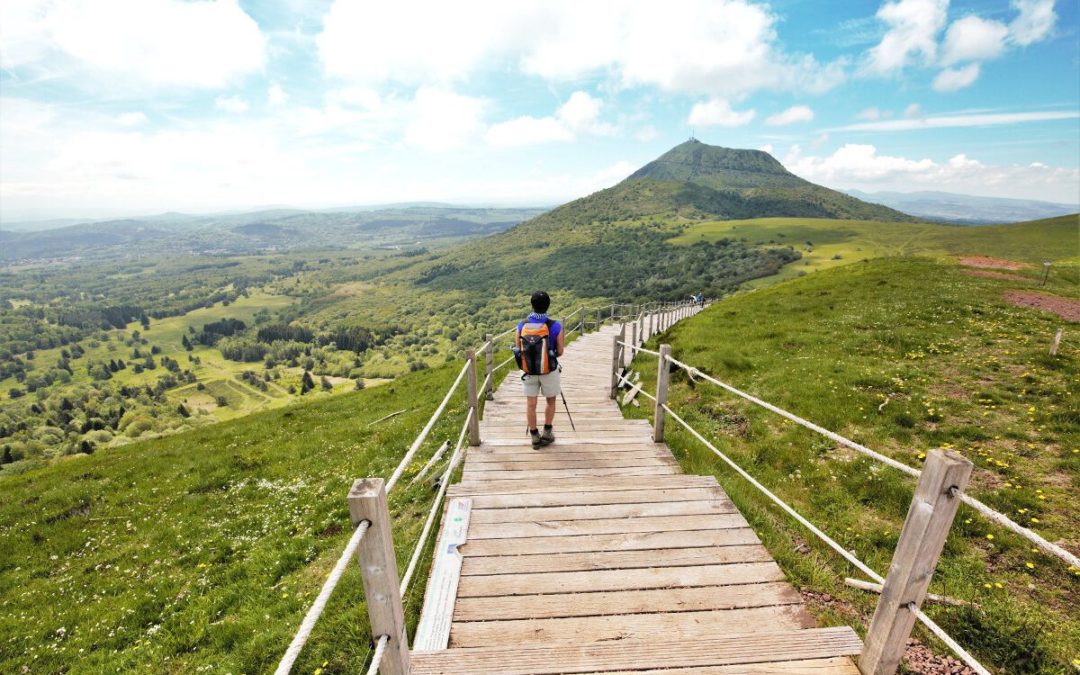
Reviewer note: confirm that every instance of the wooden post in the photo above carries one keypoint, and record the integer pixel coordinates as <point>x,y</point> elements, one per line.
<point>599,318</point>
<point>613,311</point>
<point>489,368</point>
<point>616,357</point>
<point>1057,342</point>
<point>474,420</point>
<point>633,341</point>
<point>581,323</point>
<point>937,496</point>
<point>378,568</point>
<point>663,374</point>
<point>652,318</point>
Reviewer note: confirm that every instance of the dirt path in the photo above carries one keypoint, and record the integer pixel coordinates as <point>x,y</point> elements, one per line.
<point>1066,308</point>
<point>992,263</point>
<point>995,275</point>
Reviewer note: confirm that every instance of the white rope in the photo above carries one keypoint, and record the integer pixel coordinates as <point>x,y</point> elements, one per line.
<point>792,512</point>
<point>504,363</point>
<point>317,607</point>
<point>999,518</point>
<point>424,433</point>
<point>640,349</point>
<point>505,332</point>
<point>951,643</point>
<point>380,649</point>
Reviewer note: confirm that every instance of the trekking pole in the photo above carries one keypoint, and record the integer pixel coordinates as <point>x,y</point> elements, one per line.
<point>567,409</point>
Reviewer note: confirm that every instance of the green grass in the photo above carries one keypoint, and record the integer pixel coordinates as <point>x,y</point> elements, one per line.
<point>902,355</point>
<point>200,552</point>
<point>826,243</point>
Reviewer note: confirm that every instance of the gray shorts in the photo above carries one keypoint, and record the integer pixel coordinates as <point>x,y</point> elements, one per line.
<point>547,384</point>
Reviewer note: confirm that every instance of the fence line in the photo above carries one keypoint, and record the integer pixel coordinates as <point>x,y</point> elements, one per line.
<point>999,518</point>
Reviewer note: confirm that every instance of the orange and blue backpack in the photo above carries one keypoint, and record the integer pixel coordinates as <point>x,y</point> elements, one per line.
<point>533,348</point>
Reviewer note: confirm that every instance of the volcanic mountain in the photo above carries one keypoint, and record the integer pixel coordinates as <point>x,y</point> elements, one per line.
<point>694,179</point>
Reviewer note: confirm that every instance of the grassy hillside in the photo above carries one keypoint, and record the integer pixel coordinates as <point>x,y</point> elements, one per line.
<point>201,551</point>
<point>826,243</point>
<point>902,355</point>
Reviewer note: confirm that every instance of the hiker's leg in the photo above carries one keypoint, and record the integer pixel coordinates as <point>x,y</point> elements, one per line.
<point>549,411</point>
<point>530,411</point>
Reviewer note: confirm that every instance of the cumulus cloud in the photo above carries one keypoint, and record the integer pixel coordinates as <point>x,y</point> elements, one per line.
<point>913,111</point>
<point>579,115</point>
<point>149,42</point>
<point>862,167</point>
<point>870,114</point>
<point>717,112</point>
<point>275,95</point>
<point>912,32</point>
<point>973,39</point>
<point>952,79</point>
<point>132,119</point>
<point>794,114</point>
<point>689,46</point>
<point>1034,22</point>
<point>441,120</point>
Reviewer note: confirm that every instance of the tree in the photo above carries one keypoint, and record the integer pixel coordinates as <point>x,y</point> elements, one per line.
<point>222,401</point>
<point>325,383</point>
<point>186,343</point>
<point>7,458</point>
<point>182,409</point>
<point>86,447</point>
<point>359,383</point>
<point>306,384</point>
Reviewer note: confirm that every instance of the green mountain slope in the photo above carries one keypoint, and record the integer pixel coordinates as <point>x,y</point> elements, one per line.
<point>902,355</point>
<point>202,551</point>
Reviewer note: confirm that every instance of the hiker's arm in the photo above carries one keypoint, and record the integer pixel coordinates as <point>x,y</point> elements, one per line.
<point>560,343</point>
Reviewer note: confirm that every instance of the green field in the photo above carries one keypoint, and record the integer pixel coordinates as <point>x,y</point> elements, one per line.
<point>828,243</point>
<point>902,355</point>
<point>200,552</point>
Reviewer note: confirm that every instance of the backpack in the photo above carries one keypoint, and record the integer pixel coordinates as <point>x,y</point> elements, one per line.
<point>533,350</point>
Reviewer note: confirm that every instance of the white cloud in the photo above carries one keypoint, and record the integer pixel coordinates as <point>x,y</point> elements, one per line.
<point>913,28</point>
<point>691,46</point>
<point>952,79</point>
<point>231,104</point>
<point>580,114</point>
<point>646,134</point>
<point>442,120</point>
<point>718,112</point>
<point>861,167</point>
<point>796,113</point>
<point>1034,22</point>
<point>275,95</point>
<point>766,148</point>
<point>870,114</point>
<point>962,120</point>
<point>973,39</point>
<point>912,111</point>
<point>148,42</point>
<point>131,119</point>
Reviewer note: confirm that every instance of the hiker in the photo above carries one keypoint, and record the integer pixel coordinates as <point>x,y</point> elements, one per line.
<point>538,345</point>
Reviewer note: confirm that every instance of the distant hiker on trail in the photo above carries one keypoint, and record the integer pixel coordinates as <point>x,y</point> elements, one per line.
<point>538,345</point>
<point>700,298</point>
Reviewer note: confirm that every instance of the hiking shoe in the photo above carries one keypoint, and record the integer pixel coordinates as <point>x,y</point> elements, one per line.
<point>546,438</point>
<point>537,440</point>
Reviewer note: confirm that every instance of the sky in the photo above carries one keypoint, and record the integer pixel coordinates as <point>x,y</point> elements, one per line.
<point>126,107</point>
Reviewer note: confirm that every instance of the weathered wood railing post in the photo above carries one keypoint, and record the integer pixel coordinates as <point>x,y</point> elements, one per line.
<point>581,322</point>
<point>616,358</point>
<point>663,374</point>
<point>652,318</point>
<point>937,496</point>
<point>474,420</point>
<point>378,568</point>
<point>489,367</point>
<point>613,306</point>
<point>633,341</point>
<point>599,318</point>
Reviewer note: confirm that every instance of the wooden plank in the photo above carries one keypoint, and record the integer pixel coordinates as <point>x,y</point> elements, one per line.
<point>613,560</point>
<point>547,513</point>
<point>433,631</point>
<point>597,498</point>
<point>540,583</point>
<point>727,650</point>
<point>840,665</point>
<point>555,455</point>
<point>557,528</point>
<point>627,628</point>
<point>583,483</point>
<point>561,447</point>
<point>704,598</point>
<point>570,463</point>
<point>634,541</point>
<point>544,474</point>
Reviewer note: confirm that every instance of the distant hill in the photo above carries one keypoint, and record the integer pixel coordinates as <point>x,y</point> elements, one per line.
<point>697,180</point>
<point>963,209</point>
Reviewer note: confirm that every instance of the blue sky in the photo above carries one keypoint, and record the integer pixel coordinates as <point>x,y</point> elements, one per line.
<point>116,107</point>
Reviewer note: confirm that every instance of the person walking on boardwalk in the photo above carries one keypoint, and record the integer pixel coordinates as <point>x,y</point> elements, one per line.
<point>538,344</point>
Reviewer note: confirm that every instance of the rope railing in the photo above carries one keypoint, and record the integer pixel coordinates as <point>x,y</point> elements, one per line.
<point>380,649</point>
<point>983,509</point>
<point>639,349</point>
<point>830,542</point>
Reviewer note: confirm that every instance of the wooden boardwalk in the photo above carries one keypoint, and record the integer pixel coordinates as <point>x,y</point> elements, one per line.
<point>598,555</point>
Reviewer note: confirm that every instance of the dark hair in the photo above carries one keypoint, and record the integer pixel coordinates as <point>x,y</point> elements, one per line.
<point>540,302</point>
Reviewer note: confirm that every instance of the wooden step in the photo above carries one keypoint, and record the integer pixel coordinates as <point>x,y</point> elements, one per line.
<point>634,656</point>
